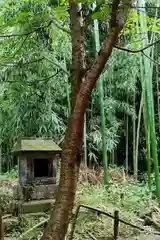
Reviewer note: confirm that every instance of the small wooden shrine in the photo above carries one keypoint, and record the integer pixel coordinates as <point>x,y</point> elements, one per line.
<point>37,161</point>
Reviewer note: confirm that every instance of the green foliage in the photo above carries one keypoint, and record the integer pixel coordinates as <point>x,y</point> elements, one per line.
<point>31,100</point>
<point>35,92</point>
<point>11,175</point>
<point>151,24</point>
<point>32,103</point>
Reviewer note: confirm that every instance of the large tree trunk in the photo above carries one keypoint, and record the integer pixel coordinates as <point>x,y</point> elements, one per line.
<point>58,224</point>
<point>70,169</point>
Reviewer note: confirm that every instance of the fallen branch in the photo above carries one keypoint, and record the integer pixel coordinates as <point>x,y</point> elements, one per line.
<point>34,227</point>
<point>150,222</point>
<point>91,236</point>
<point>6,216</point>
<point>99,212</point>
<point>156,209</point>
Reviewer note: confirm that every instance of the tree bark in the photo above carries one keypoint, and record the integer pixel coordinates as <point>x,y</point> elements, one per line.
<point>81,90</point>
<point>77,37</point>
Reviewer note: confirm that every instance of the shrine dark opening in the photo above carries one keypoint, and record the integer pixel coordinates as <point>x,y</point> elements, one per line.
<point>41,168</point>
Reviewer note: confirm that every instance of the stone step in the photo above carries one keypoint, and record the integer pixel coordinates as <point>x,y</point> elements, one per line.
<point>34,206</point>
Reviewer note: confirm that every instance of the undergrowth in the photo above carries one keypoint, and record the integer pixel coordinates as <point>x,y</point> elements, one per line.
<point>10,175</point>
<point>130,199</point>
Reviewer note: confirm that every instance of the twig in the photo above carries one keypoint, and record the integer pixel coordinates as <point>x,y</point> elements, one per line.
<point>137,51</point>
<point>34,227</point>
<point>58,65</point>
<point>91,235</point>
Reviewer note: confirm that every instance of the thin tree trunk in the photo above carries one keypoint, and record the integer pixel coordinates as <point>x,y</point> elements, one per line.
<point>126,163</point>
<point>113,160</point>
<point>58,223</point>
<point>67,89</point>
<point>85,142</point>
<point>0,159</point>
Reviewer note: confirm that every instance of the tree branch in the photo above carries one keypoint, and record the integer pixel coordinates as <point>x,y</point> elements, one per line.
<point>31,82</point>
<point>21,64</point>
<point>20,46</point>
<point>58,65</point>
<point>98,65</point>
<point>157,63</point>
<point>58,25</point>
<point>27,33</point>
<point>137,51</point>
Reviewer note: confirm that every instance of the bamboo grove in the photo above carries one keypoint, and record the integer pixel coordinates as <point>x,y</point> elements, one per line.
<point>122,119</point>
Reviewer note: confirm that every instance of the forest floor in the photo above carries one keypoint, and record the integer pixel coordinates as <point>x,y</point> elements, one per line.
<point>131,199</point>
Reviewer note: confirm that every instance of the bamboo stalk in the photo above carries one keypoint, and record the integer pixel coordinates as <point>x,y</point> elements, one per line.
<point>85,141</point>
<point>135,163</point>
<point>126,162</point>
<point>102,115</point>
<point>138,129</point>
<point>148,74</point>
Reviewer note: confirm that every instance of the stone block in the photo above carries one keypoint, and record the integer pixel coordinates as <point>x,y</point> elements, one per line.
<point>34,192</point>
<point>31,206</point>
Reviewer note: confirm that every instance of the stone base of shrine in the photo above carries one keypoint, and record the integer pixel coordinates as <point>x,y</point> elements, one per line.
<point>37,192</point>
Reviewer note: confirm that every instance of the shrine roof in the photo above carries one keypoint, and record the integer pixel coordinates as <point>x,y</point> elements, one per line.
<point>37,144</point>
